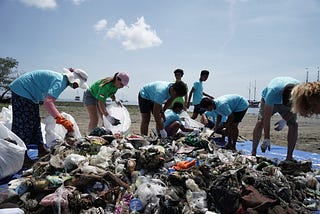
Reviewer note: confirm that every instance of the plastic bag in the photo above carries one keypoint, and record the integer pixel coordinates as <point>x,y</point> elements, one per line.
<point>11,154</point>
<point>6,116</point>
<point>188,122</point>
<point>121,113</point>
<point>54,132</point>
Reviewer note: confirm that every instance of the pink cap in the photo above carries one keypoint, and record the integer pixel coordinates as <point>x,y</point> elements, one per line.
<point>124,78</point>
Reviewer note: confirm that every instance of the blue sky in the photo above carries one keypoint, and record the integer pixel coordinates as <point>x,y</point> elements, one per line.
<point>238,41</point>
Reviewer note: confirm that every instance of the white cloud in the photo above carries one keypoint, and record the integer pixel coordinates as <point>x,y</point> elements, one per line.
<point>42,4</point>
<point>100,25</point>
<point>77,2</point>
<point>138,36</point>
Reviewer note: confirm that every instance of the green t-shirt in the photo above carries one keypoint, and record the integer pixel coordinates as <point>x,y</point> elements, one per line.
<point>102,93</point>
<point>179,99</point>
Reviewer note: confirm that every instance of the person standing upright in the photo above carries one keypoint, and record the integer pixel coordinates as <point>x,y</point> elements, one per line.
<point>197,94</point>
<point>178,73</point>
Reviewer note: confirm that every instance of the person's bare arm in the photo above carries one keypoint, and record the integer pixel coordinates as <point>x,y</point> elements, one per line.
<point>190,95</point>
<point>157,113</point>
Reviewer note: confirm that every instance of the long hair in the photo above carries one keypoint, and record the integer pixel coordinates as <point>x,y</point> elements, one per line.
<point>108,79</point>
<point>303,98</point>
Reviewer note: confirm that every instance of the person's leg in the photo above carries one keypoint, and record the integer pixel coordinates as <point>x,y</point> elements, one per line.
<point>257,131</point>
<point>235,135</point>
<point>173,128</point>
<point>22,123</point>
<point>195,111</point>
<point>145,120</point>
<point>292,139</point>
<point>292,135</point>
<point>93,112</point>
<point>145,107</point>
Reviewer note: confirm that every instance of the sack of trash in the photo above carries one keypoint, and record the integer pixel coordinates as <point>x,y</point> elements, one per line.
<point>55,132</point>
<point>12,150</point>
<point>121,113</point>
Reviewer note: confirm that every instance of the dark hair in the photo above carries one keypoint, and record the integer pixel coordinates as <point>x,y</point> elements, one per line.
<point>180,88</point>
<point>204,72</point>
<point>206,102</point>
<point>286,94</point>
<point>177,105</point>
<point>178,71</point>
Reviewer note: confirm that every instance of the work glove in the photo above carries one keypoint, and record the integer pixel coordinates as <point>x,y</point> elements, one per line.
<point>163,133</point>
<point>113,120</point>
<point>67,124</point>
<point>265,145</point>
<point>185,164</point>
<point>280,125</point>
<point>196,131</point>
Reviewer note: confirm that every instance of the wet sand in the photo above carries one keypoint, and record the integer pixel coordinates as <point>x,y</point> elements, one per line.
<point>308,138</point>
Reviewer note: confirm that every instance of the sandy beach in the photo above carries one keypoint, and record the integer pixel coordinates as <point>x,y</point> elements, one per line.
<point>308,139</point>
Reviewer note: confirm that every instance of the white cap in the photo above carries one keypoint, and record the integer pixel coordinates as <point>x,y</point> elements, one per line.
<point>77,75</point>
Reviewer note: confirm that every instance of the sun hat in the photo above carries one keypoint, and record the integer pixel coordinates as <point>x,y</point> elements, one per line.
<point>77,75</point>
<point>124,78</point>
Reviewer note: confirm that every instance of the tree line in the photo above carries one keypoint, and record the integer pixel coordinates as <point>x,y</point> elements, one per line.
<point>8,73</point>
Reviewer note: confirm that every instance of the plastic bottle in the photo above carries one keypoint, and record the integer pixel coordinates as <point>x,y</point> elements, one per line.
<point>135,205</point>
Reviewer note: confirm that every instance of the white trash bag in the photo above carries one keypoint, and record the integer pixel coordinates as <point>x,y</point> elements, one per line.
<point>55,132</point>
<point>6,116</point>
<point>121,113</point>
<point>11,154</point>
<point>189,122</point>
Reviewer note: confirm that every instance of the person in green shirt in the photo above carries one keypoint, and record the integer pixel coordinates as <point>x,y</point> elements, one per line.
<point>95,98</point>
<point>178,73</point>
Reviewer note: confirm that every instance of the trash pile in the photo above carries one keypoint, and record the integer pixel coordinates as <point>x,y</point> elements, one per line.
<point>187,174</point>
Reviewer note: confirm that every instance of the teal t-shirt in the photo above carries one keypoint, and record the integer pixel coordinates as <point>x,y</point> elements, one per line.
<point>157,92</point>
<point>212,115</point>
<point>171,117</point>
<point>272,94</point>
<point>104,92</point>
<point>229,103</point>
<point>38,84</point>
<point>197,93</point>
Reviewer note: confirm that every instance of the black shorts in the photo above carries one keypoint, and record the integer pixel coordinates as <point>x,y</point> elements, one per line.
<point>145,106</point>
<point>238,116</point>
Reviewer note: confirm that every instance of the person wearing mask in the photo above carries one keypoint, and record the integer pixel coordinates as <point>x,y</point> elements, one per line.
<point>33,88</point>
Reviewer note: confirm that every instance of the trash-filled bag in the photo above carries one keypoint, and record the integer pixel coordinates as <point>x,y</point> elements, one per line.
<point>12,150</point>
<point>55,132</point>
<point>121,113</point>
<point>189,122</point>
<point>6,116</point>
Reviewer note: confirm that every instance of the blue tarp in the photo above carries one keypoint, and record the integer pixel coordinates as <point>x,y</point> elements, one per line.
<point>280,152</point>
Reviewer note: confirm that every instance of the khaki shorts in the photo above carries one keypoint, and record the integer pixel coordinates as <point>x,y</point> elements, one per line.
<point>277,108</point>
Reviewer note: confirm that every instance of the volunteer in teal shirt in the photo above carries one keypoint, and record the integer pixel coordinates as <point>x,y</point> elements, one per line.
<point>276,98</point>
<point>152,96</point>
<point>232,106</point>
<point>36,87</point>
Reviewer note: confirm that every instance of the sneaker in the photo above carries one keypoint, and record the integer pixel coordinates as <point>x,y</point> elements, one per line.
<point>265,145</point>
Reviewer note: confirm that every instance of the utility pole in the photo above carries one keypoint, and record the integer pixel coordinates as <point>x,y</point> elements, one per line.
<point>307,78</point>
